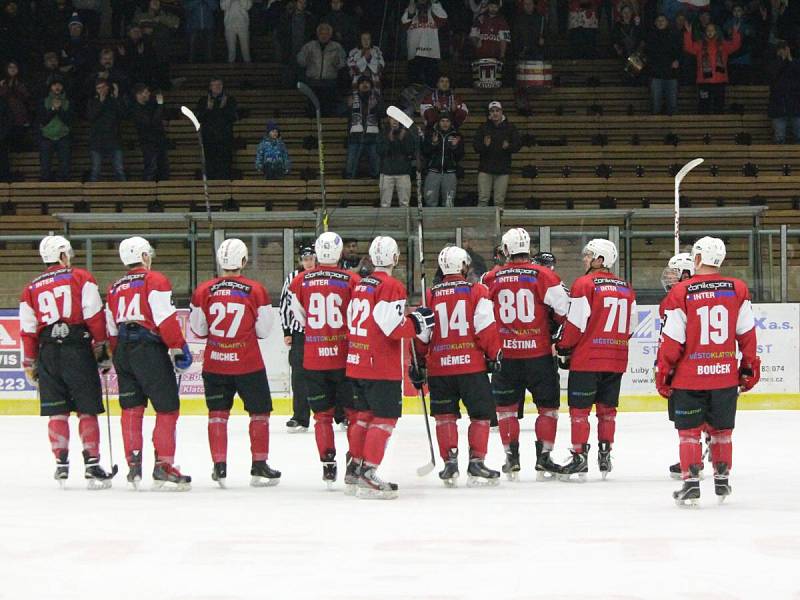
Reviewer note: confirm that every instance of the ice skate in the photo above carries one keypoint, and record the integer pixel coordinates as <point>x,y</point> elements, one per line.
<point>62,470</point>
<point>329,470</point>
<point>220,473</point>
<point>579,465</point>
<point>511,467</point>
<point>370,486</point>
<point>449,475</point>
<point>262,475</point>
<point>721,486</point>
<point>294,426</point>
<point>343,424</point>
<point>167,477</point>
<point>604,459</point>
<point>479,475</point>
<point>352,475</point>
<point>95,475</point>
<point>675,471</point>
<point>135,469</point>
<point>689,494</point>
<point>546,469</point>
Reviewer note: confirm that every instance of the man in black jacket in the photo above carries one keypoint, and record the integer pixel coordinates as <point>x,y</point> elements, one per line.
<point>495,142</point>
<point>444,148</point>
<point>105,112</point>
<point>217,114</point>
<point>784,93</point>
<point>397,148</point>
<point>663,49</point>
<point>148,118</point>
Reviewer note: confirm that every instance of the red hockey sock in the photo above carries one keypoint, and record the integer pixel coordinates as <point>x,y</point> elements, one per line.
<point>131,422</point>
<point>378,434</point>
<point>690,449</point>
<point>446,434</point>
<point>357,433</point>
<point>58,432</point>
<point>259,436</point>
<point>508,424</point>
<point>606,422</point>
<point>89,431</point>
<point>579,419</point>
<point>546,424</point>
<point>478,435</point>
<point>164,436</point>
<point>218,434</point>
<point>721,446</point>
<point>323,431</point>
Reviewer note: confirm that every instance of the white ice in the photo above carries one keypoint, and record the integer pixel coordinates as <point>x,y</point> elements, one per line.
<point>617,539</point>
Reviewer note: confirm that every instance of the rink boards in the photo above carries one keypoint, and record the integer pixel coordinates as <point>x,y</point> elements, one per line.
<point>777,329</point>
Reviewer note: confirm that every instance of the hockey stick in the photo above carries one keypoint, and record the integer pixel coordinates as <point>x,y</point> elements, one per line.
<point>402,118</point>
<point>312,97</point>
<point>114,467</point>
<point>678,179</point>
<point>187,112</point>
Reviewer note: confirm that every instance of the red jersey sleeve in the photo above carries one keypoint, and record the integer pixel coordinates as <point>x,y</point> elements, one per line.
<point>29,326</point>
<point>746,325</point>
<point>92,306</point>
<point>197,315</point>
<point>483,322</point>
<point>165,317</point>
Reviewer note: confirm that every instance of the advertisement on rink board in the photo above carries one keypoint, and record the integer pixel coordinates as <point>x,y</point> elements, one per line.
<point>778,330</point>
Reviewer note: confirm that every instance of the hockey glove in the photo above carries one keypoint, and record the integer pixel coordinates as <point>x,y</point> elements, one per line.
<point>563,359</point>
<point>181,358</point>
<point>423,319</point>
<point>31,368</point>
<point>749,374</point>
<point>663,382</point>
<point>418,375</point>
<point>102,356</point>
<point>495,365</point>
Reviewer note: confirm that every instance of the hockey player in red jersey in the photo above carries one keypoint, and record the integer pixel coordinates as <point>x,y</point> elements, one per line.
<point>320,297</point>
<point>377,323</point>
<point>527,298</point>
<point>707,319</point>
<point>595,341</point>
<point>454,360</point>
<point>232,312</point>
<point>149,349</point>
<point>64,342</point>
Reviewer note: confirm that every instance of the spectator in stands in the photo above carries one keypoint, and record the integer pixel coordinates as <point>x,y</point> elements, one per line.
<point>200,28</point>
<point>89,11</point>
<point>712,54</point>
<point>77,55</point>
<point>5,127</point>
<point>16,31</point>
<point>52,69</point>
<point>495,142</point>
<point>626,37</point>
<point>443,99</point>
<point>366,61</point>
<point>122,16</point>
<point>139,60</point>
<point>688,64</point>
<point>109,70</point>
<point>344,25</point>
<point>19,103</point>
<point>583,23</point>
<point>443,148</point>
<point>784,94</point>
<point>528,34</point>
<point>55,116</point>
<point>272,157</point>
<point>105,112</point>
<point>55,16</point>
<point>158,25</point>
<point>321,60</point>
<point>237,25</point>
<point>363,128</point>
<point>217,114</point>
<point>422,21</point>
<point>663,51</point>
<point>147,114</point>
<point>490,34</point>
<point>740,62</point>
<point>397,148</point>
<point>296,27</point>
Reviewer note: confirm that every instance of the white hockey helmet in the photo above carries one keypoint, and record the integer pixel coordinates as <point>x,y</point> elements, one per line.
<point>328,248</point>
<point>383,252</point>
<point>452,260</point>
<point>232,254</point>
<point>516,241</point>
<point>678,265</point>
<point>131,250</point>
<point>711,251</point>
<point>53,246</point>
<point>605,248</point>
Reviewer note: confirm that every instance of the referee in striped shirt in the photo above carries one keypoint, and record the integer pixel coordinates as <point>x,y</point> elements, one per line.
<point>294,338</point>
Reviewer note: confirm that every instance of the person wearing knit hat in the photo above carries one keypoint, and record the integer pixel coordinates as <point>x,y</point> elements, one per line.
<point>443,148</point>
<point>364,126</point>
<point>272,157</point>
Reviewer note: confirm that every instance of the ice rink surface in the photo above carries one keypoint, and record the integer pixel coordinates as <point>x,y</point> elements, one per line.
<point>617,539</point>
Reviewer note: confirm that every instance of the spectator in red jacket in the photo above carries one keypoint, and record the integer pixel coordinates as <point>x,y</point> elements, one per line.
<point>712,54</point>
<point>443,99</point>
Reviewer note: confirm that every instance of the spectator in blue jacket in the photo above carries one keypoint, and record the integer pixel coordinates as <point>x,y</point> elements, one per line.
<point>272,157</point>
<point>200,28</point>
